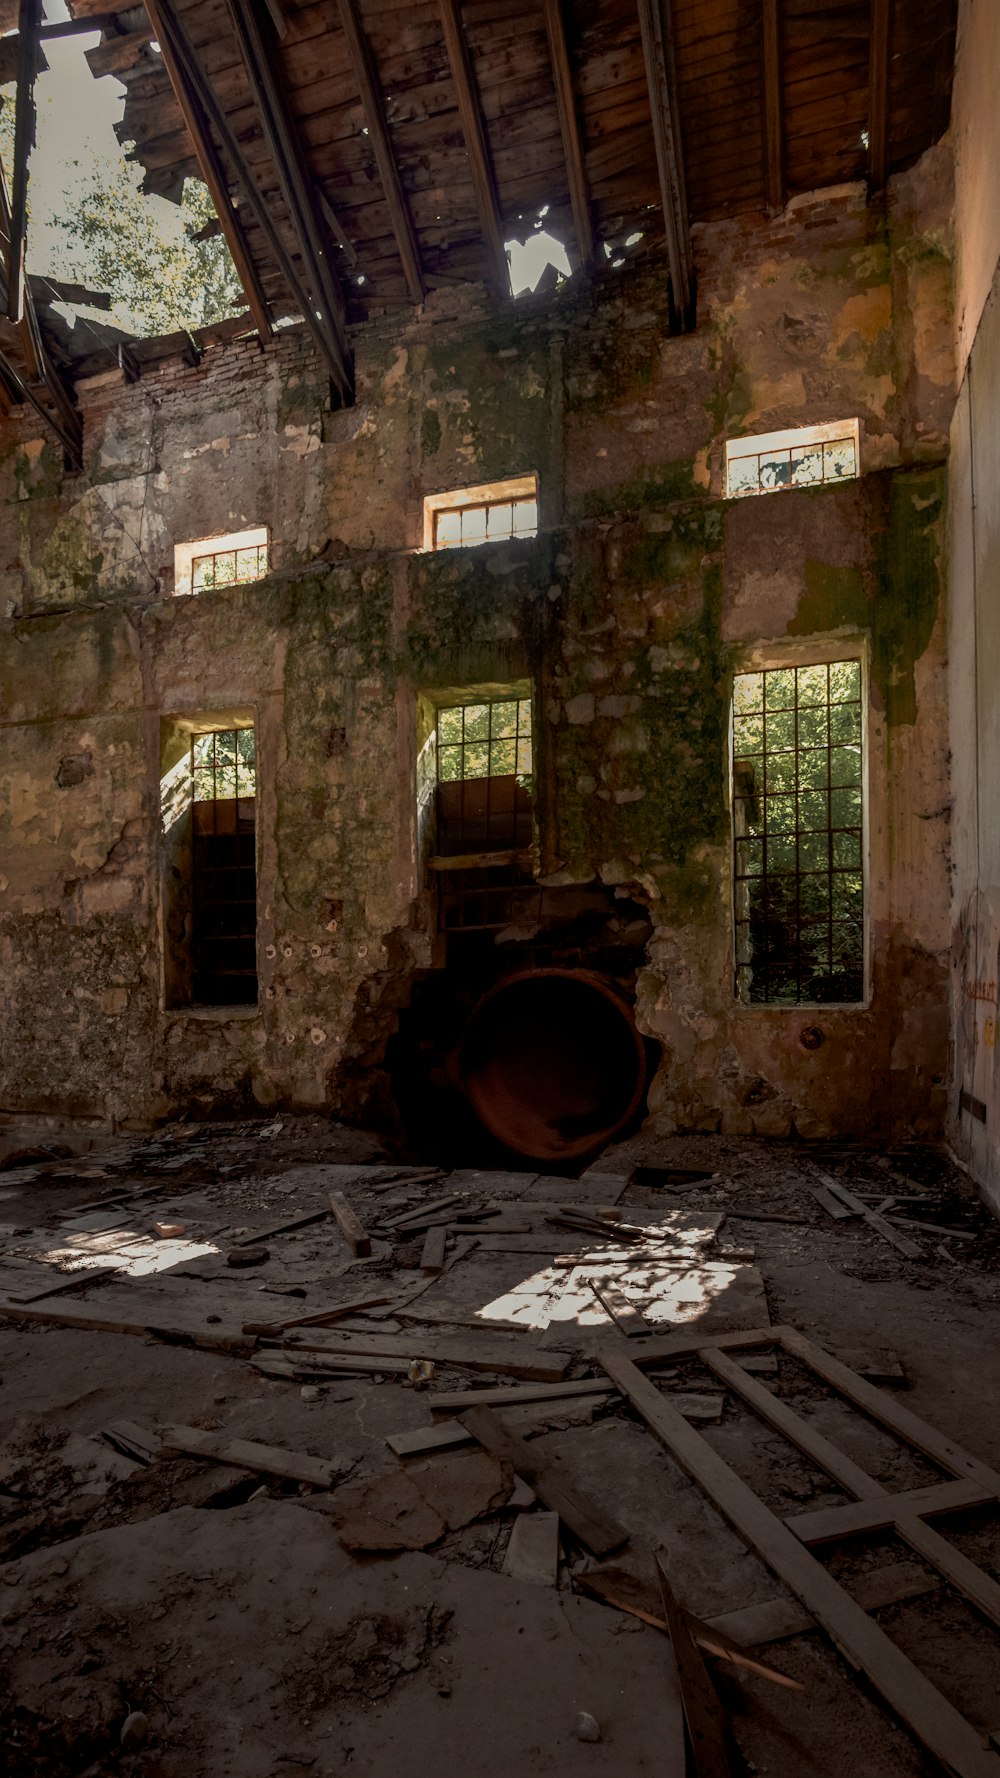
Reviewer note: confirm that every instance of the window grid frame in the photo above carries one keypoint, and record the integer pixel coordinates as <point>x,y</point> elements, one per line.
<point>775,455</point>
<point>259,551</point>
<point>462,510</point>
<point>807,959</point>
<point>515,740</point>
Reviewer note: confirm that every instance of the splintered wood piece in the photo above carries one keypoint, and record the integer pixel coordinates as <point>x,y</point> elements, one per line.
<point>319,1318</point>
<point>880,1224</point>
<point>281,1228</point>
<point>533,1550</point>
<point>710,1636</point>
<point>702,1710</point>
<point>245,1454</point>
<point>424,1210</point>
<point>936,1722</point>
<point>589,1522</point>
<point>350,1227</point>
<point>623,1313</point>
<point>74,1282</point>
<point>432,1257</point>
<point>132,1440</point>
<point>863,1516</point>
<point>830,1204</point>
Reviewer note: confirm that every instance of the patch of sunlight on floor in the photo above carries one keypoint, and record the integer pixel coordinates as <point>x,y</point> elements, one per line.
<point>676,1288</point>
<point>124,1250</point>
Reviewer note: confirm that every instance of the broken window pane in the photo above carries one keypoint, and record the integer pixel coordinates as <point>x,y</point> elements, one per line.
<point>798,879</point>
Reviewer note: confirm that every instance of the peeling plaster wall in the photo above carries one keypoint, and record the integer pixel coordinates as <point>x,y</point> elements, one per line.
<point>974,575</point>
<point>642,594</point>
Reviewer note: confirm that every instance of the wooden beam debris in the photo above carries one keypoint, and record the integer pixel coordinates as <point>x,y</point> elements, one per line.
<point>350,1227</point>
<point>774,144</point>
<point>476,140</point>
<point>879,63</point>
<point>29,22</point>
<point>366,74</point>
<point>569,126</point>
<point>658,56</point>
<point>595,1528</point>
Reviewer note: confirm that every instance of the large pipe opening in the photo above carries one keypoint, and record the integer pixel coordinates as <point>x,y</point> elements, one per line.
<point>552,1063</point>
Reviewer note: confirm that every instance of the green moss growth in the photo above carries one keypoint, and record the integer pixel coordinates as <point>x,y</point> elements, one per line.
<point>430,432</point>
<point>654,488</point>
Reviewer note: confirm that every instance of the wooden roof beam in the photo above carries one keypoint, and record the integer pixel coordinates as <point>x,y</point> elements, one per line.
<point>569,125</point>
<point>366,74</point>
<point>658,56</point>
<point>294,180</point>
<point>168,24</point>
<point>66,422</point>
<point>476,141</point>
<point>878,93</point>
<point>214,175</point>
<point>29,23</point>
<point>774,135</point>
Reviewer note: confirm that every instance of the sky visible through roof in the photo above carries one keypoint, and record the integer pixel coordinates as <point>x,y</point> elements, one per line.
<point>75,132</point>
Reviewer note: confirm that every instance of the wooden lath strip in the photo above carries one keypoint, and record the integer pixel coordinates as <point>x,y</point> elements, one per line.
<point>774,143</point>
<point>658,55</point>
<point>878,93</point>
<point>363,63</point>
<point>29,22</point>
<point>214,175</point>
<point>195,76</point>
<point>295,184</point>
<point>476,140</point>
<point>954,1741</point>
<point>569,125</point>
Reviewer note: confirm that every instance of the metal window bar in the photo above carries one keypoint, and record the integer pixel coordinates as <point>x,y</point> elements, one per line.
<point>487,899</point>
<point>808,464</point>
<point>228,567</point>
<point>224,868</point>
<point>799,835</point>
<point>488,521</point>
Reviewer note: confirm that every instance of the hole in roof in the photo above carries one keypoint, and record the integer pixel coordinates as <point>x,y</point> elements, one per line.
<point>530,259</point>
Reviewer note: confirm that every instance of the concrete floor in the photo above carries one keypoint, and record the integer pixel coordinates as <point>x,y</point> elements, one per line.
<point>223,1606</point>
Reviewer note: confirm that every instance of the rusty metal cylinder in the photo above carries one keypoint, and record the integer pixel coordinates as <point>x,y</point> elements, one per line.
<point>552,1063</point>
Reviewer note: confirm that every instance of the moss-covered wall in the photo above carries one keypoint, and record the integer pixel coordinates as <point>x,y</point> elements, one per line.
<point>642,593</point>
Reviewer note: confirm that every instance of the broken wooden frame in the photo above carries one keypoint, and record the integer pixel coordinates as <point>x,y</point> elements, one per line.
<point>784,1544</point>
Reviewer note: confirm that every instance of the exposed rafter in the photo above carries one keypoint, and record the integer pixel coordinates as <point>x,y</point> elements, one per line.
<point>569,125</point>
<point>774,143</point>
<point>878,93</point>
<point>476,141</point>
<point>366,75</point>
<point>213,173</point>
<point>658,55</point>
<point>325,330</point>
<point>256,38</point>
<point>29,23</point>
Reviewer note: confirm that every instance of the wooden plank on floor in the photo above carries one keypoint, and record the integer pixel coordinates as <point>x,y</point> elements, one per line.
<point>880,1224</point>
<point>87,1275</point>
<point>588,1521</point>
<point>832,1523</point>
<point>775,1619</point>
<point>831,1205</point>
<point>533,1550</point>
<point>507,1356</point>
<point>244,1453</point>
<point>623,1313</point>
<point>458,1400</point>
<point>926,1712</point>
<point>432,1257</point>
<point>706,1724</point>
<point>889,1412</point>
<point>350,1226</point>
<point>281,1228</point>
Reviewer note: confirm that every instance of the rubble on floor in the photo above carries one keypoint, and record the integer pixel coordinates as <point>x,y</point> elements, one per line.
<point>391,1495</point>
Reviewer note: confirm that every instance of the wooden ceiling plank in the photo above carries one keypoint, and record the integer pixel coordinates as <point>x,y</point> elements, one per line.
<point>296,186</point>
<point>214,175</point>
<point>171,26</point>
<point>774,144</point>
<point>476,142</point>
<point>29,24</point>
<point>569,126</point>
<point>363,63</point>
<point>878,94</point>
<point>654,20</point>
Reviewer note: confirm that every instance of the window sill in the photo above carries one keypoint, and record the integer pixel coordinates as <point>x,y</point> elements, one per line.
<point>213,1015</point>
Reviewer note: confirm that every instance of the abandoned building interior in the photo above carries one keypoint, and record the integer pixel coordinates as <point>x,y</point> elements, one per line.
<point>500,901</point>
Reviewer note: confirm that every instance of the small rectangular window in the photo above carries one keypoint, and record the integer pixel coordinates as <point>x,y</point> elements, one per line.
<point>209,564</point>
<point>801,458</point>
<point>208,802</point>
<point>474,804</point>
<point>224,869</point>
<point>798,806</point>
<point>493,512</point>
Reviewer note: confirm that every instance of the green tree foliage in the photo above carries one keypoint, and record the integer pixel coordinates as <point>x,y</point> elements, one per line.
<point>144,252</point>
